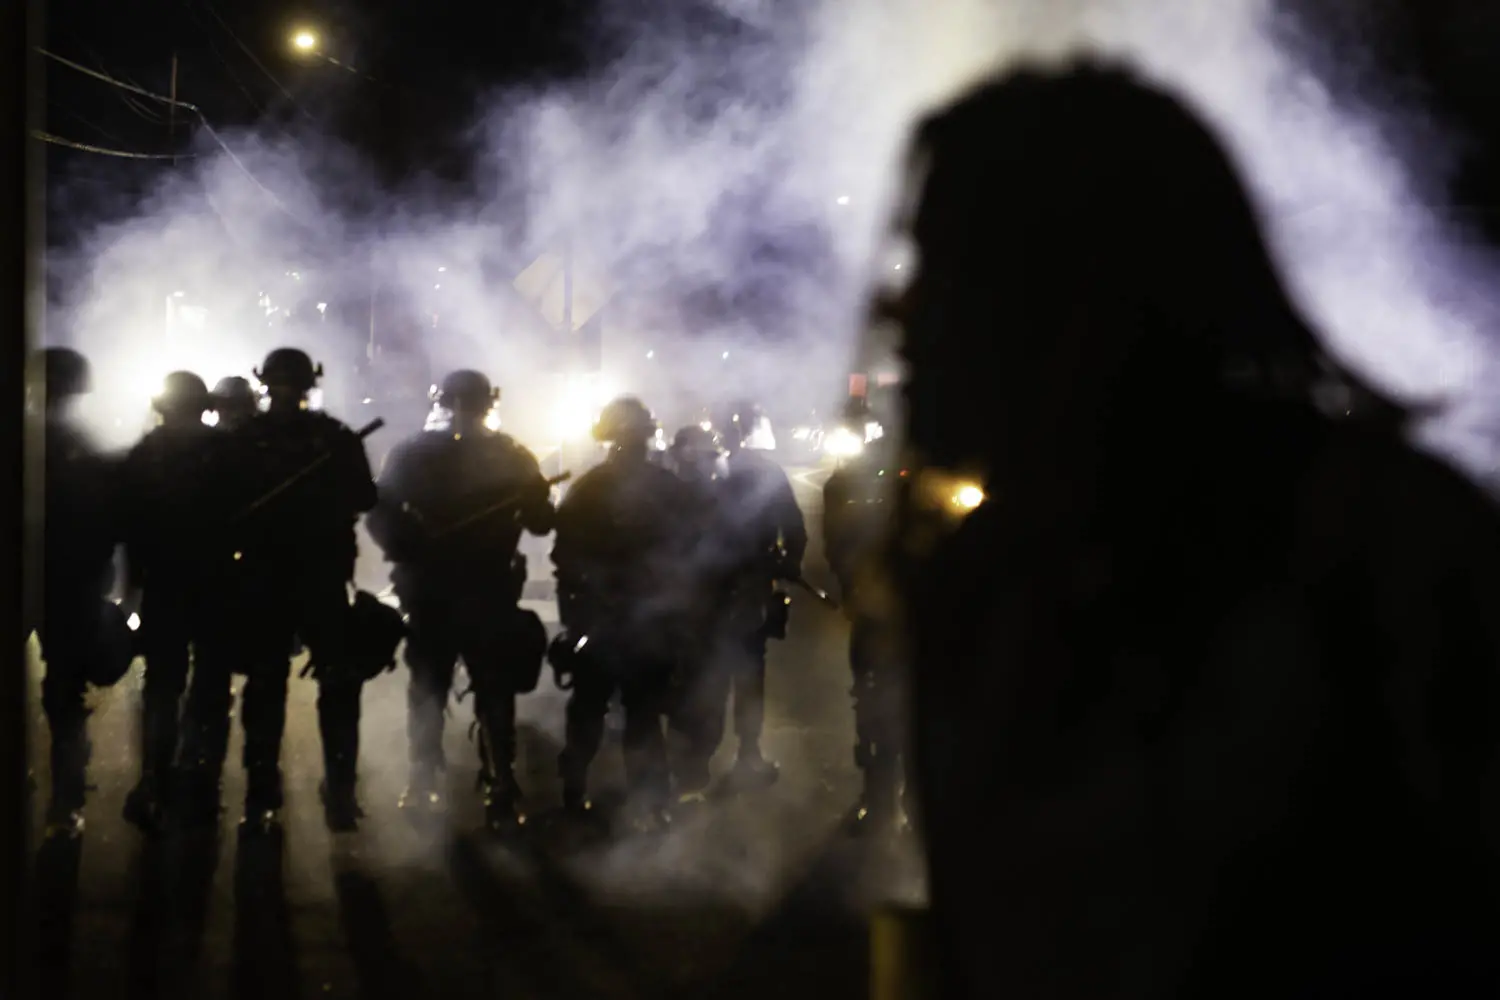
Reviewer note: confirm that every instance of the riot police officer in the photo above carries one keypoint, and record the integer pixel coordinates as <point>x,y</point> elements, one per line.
<point>702,688</point>
<point>224,637</point>
<point>858,503</point>
<point>78,537</point>
<point>453,503</point>
<point>234,401</point>
<point>166,536</point>
<point>766,530</point>
<point>302,479</point>
<point>617,554</point>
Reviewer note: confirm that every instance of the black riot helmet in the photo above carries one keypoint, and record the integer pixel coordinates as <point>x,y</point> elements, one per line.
<point>467,391</point>
<point>693,443</point>
<point>288,370</point>
<point>61,372</point>
<point>183,394</point>
<point>234,399</point>
<point>625,422</point>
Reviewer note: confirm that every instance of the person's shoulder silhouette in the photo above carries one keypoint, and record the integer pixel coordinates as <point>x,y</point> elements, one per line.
<point>1178,665</point>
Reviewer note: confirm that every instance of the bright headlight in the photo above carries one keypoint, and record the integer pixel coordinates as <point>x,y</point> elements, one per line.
<point>967,497</point>
<point>573,419</point>
<point>492,420</point>
<point>843,443</point>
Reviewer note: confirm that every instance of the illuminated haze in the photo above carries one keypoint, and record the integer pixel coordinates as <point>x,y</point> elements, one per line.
<point>679,164</point>
<point>702,170</point>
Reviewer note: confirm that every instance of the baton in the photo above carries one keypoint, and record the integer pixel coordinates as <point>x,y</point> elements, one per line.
<point>821,595</point>
<point>305,471</point>
<point>496,508</point>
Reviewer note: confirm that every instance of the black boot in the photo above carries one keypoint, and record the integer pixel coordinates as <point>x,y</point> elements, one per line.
<point>878,810</point>
<point>577,808</point>
<point>751,769</point>
<point>341,811</point>
<point>502,803</point>
<point>424,789</point>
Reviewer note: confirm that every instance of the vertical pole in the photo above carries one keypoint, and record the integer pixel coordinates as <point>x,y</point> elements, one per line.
<point>370,347</point>
<point>172,113</point>
<point>21,34</point>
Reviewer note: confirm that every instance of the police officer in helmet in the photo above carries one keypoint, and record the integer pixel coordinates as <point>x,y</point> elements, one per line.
<point>224,634</point>
<point>167,533</point>
<point>768,535</point>
<point>78,537</point>
<point>302,480</point>
<point>859,501</point>
<point>617,553</point>
<point>234,401</point>
<point>702,688</point>
<point>454,501</point>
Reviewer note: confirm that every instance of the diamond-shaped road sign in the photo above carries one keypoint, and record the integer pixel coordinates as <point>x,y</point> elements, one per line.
<point>542,284</point>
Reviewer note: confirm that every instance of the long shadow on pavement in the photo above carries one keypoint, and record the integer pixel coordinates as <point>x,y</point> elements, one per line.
<point>815,943</point>
<point>166,935</point>
<point>55,894</point>
<point>265,960</point>
<point>378,964</point>
<point>515,939</point>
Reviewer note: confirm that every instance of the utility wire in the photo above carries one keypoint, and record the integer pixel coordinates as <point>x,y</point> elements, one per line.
<point>85,147</point>
<point>219,55</point>
<point>259,65</point>
<point>139,109</point>
<point>202,120</point>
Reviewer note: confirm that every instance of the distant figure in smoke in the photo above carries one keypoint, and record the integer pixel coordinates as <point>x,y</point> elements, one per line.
<point>453,504</point>
<point>768,536</point>
<point>168,531</point>
<point>702,686</point>
<point>618,552</point>
<point>1205,695</point>
<point>859,500</point>
<point>300,479</point>
<point>81,531</point>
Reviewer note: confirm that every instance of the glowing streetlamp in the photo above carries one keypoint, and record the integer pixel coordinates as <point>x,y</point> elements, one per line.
<point>305,41</point>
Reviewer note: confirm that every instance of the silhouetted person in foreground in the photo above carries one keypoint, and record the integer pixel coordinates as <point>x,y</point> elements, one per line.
<point>80,531</point>
<point>1205,693</point>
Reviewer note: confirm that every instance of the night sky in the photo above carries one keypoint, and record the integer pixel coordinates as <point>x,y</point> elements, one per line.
<point>423,68</point>
<point>433,61</point>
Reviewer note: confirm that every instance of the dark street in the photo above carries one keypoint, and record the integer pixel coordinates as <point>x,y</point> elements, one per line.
<point>746,895</point>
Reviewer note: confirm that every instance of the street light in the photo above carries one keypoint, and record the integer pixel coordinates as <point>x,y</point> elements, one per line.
<point>306,42</point>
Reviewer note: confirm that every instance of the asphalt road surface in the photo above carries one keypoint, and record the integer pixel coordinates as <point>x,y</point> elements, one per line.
<point>752,895</point>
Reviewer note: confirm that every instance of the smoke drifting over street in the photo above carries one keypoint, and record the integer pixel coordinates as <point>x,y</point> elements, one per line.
<point>722,180</point>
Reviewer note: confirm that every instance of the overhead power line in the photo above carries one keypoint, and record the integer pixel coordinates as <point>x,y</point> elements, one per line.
<point>103,151</point>
<point>258,64</point>
<point>202,120</point>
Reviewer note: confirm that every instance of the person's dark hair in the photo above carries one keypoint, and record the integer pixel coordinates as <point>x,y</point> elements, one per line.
<point>1052,181</point>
